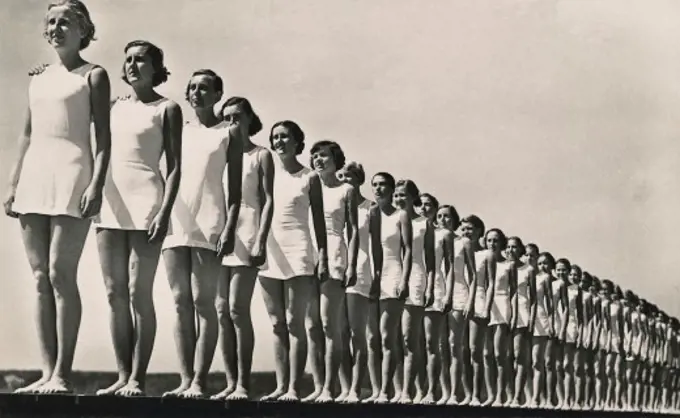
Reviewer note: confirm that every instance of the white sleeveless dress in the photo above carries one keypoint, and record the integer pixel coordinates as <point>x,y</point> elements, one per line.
<point>482,258</point>
<point>439,285</point>
<point>364,272</point>
<point>418,279</point>
<point>390,239</point>
<point>524,275</point>
<point>248,223</point>
<point>290,252</point>
<point>335,215</point>
<point>572,321</point>
<point>133,191</point>
<point>199,213</point>
<point>461,281</point>
<point>542,321</point>
<point>58,163</point>
<point>501,308</point>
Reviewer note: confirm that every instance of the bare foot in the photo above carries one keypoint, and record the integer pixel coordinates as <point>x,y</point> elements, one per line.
<point>427,399</point>
<point>240,394</point>
<point>313,396</point>
<point>352,397</point>
<point>274,396</point>
<point>325,397</point>
<point>341,397</point>
<point>382,399</point>
<point>55,386</point>
<point>33,387</point>
<point>195,391</point>
<point>372,398</point>
<point>131,389</point>
<point>291,396</point>
<point>223,395</point>
<point>111,390</point>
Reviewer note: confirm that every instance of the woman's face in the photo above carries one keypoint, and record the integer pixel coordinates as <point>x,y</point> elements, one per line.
<point>444,218</point>
<point>401,198</point>
<point>138,66</point>
<point>62,29</point>
<point>201,92</point>
<point>428,208</point>
<point>574,276</point>
<point>322,161</point>
<point>544,264</point>
<point>282,140</point>
<point>381,188</point>
<point>494,241</point>
<point>514,250</point>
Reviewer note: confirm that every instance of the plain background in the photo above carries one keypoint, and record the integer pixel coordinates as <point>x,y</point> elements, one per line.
<point>554,120</point>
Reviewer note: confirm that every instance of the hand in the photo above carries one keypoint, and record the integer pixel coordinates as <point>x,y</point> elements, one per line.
<point>258,254</point>
<point>402,290</point>
<point>350,277</point>
<point>226,243</point>
<point>322,267</point>
<point>37,70</point>
<point>91,201</point>
<point>158,228</point>
<point>8,202</point>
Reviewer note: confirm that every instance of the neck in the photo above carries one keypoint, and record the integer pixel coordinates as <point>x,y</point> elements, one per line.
<point>206,116</point>
<point>69,59</point>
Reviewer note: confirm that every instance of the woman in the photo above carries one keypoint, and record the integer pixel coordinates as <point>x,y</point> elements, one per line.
<point>340,214</point>
<point>136,210</point>
<point>522,305</point>
<point>573,363</point>
<point>55,185</point>
<point>393,259</point>
<point>440,291</point>
<point>504,287</point>
<point>291,273</point>
<point>464,270</point>
<point>406,197</point>
<point>237,279</point>
<point>203,228</point>
<point>362,309</point>
<point>543,328</point>
<point>555,347</point>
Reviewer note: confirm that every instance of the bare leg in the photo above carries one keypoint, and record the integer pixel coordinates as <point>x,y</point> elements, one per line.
<point>538,363</point>
<point>390,315</point>
<point>477,340</point>
<point>227,334</point>
<point>316,341</point>
<point>178,268</point>
<point>204,278</point>
<point>374,349</point>
<point>273,294</point>
<point>35,231</point>
<point>433,329</point>
<point>143,264</point>
<point>297,293</point>
<point>240,297</point>
<point>66,246</point>
<point>357,309</point>
<point>332,310</point>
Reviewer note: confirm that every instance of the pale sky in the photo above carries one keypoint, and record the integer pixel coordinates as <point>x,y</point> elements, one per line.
<point>554,120</point>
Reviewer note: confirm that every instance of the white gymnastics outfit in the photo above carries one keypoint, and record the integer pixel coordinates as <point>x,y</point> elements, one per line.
<point>439,285</point>
<point>390,239</point>
<point>335,215</point>
<point>418,280</point>
<point>572,321</point>
<point>199,212</point>
<point>524,275</point>
<point>134,186</point>
<point>290,252</point>
<point>364,271</point>
<point>248,223</point>
<point>542,322</point>
<point>482,259</point>
<point>501,308</point>
<point>461,279</point>
<point>58,163</point>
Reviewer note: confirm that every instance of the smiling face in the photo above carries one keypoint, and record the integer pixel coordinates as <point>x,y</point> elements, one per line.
<point>138,68</point>
<point>62,29</point>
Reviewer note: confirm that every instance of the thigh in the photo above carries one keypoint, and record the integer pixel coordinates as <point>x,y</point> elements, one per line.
<point>35,233</point>
<point>68,236</point>
<point>205,272</point>
<point>178,269</point>
<point>114,257</point>
<point>144,257</point>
